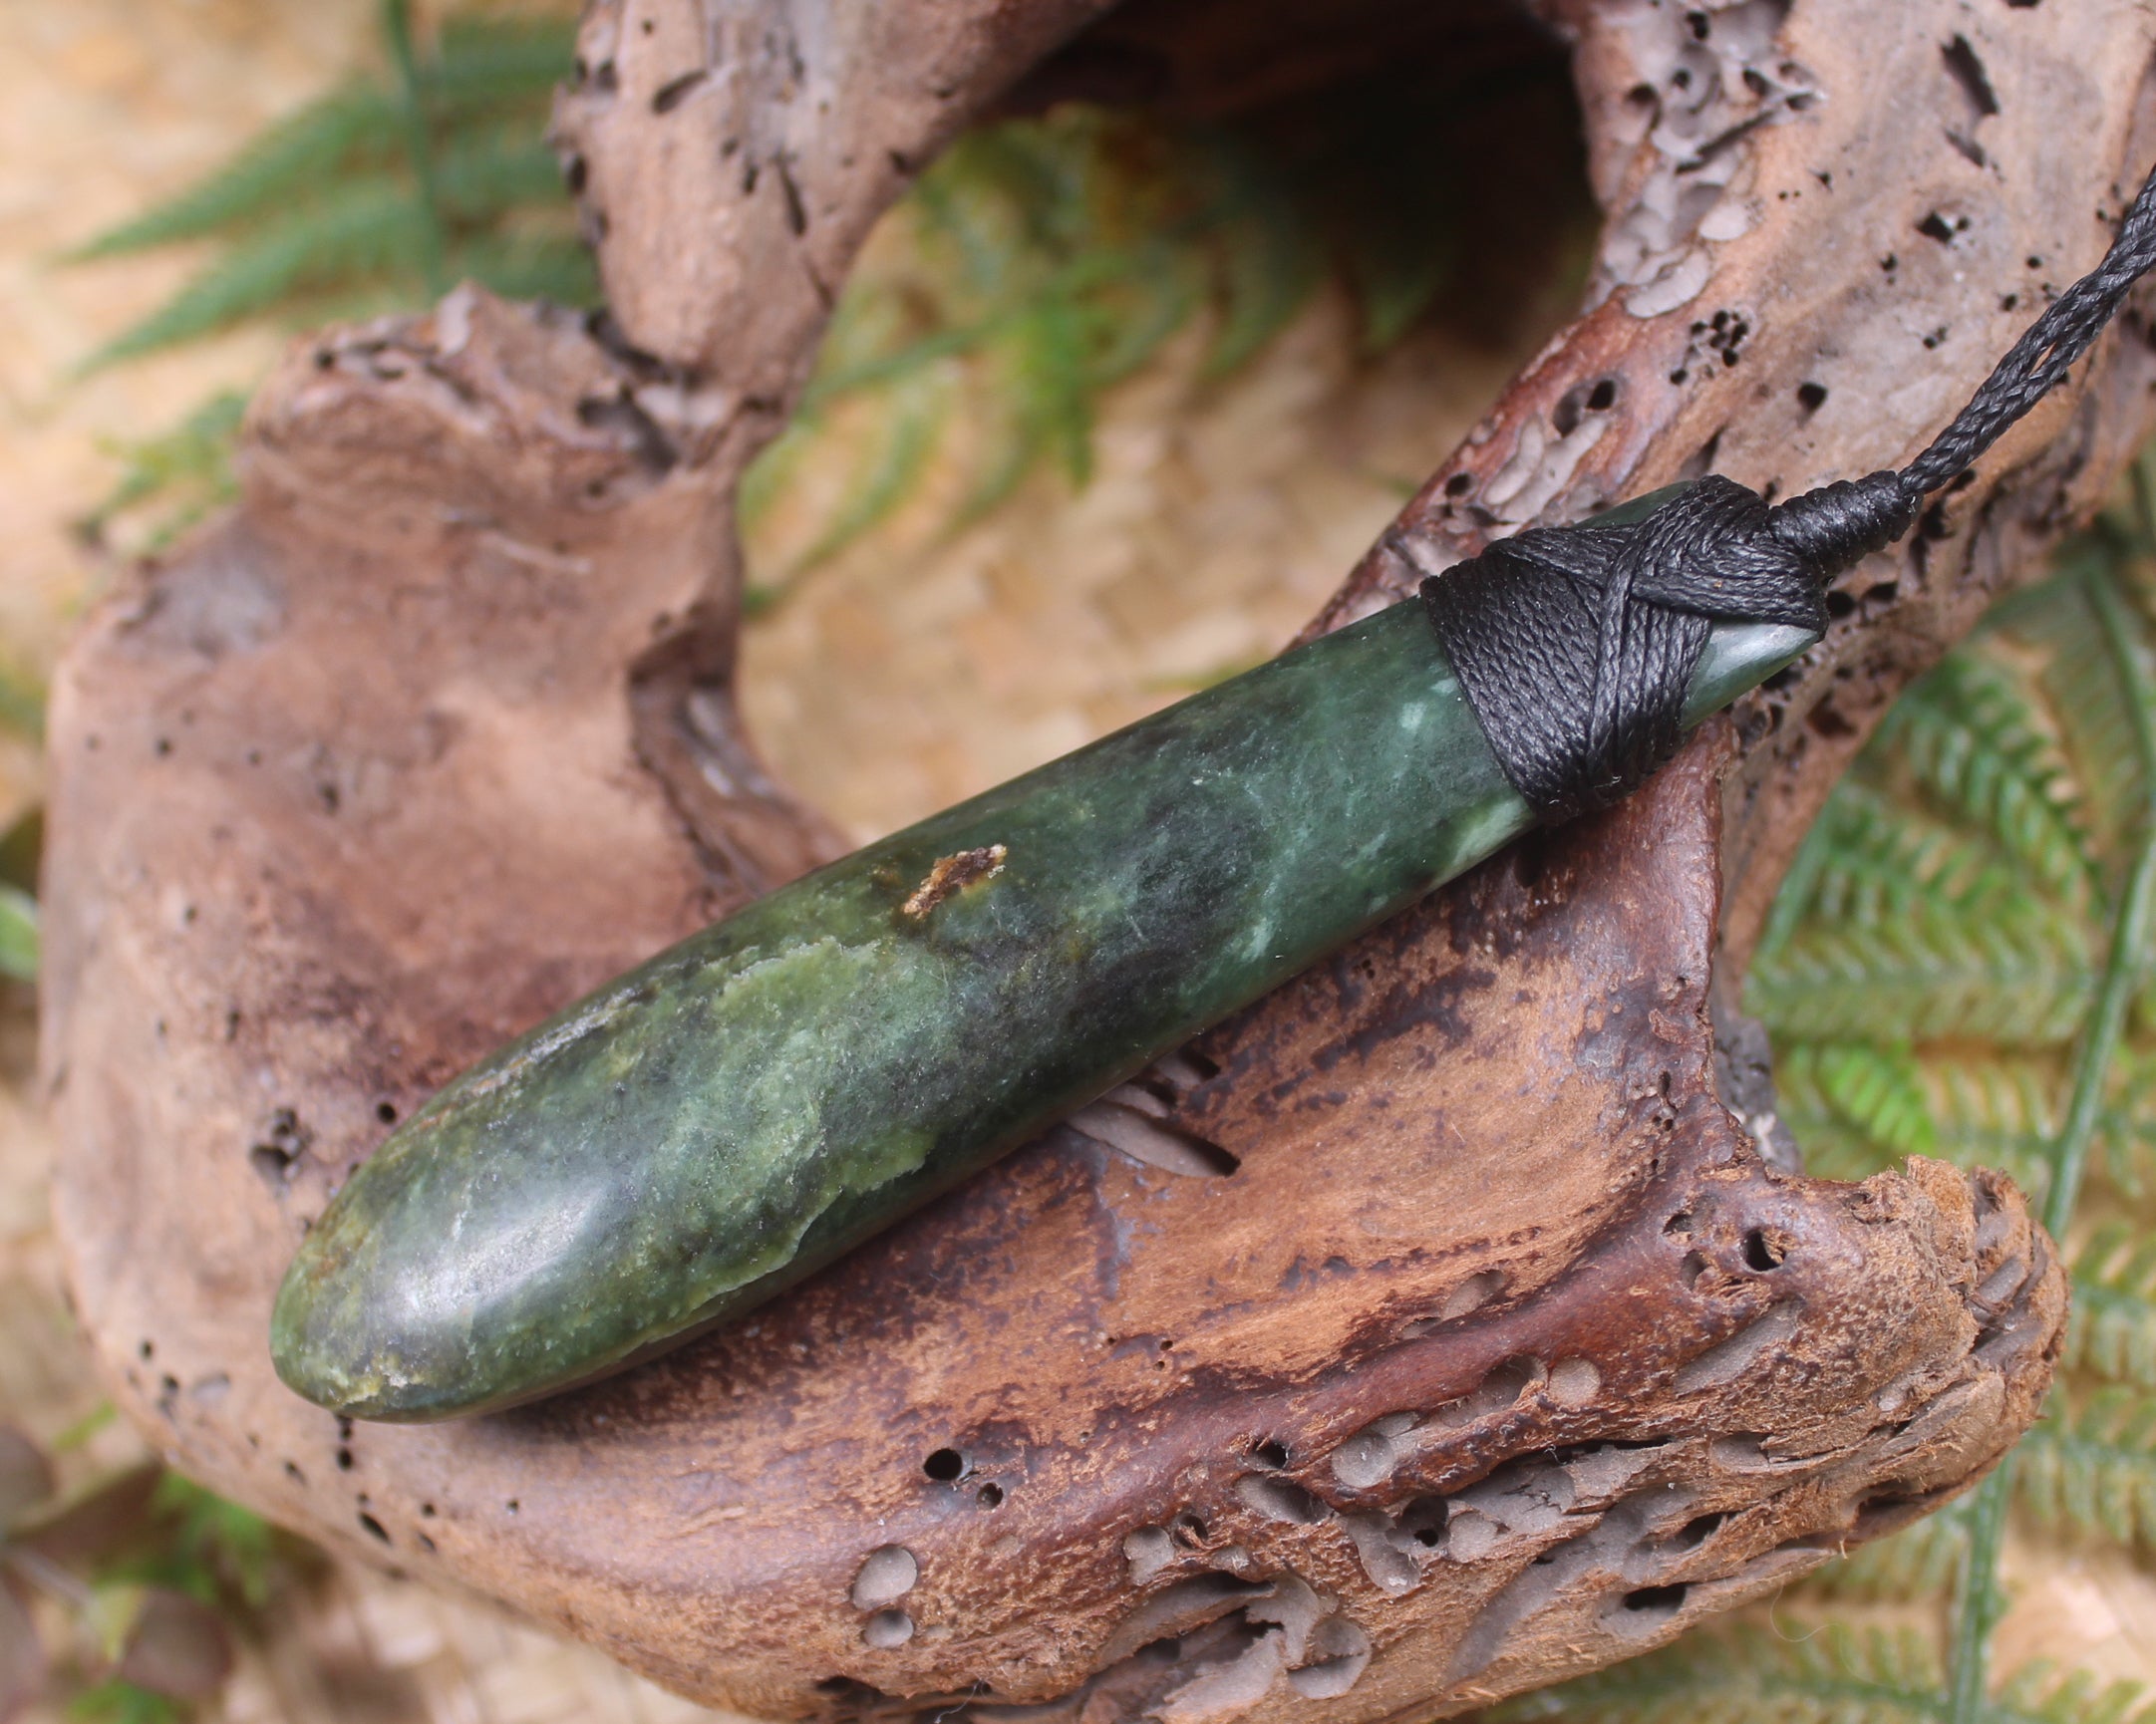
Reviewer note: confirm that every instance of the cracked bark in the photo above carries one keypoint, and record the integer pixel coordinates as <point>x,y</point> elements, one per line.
<point>1500,1353</point>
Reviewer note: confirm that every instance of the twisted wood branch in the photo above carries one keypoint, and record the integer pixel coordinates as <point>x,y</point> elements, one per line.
<point>1502,1352</point>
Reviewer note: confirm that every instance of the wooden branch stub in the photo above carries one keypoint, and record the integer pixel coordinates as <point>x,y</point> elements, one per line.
<point>1361,1380</point>
<point>730,158</point>
<point>1430,1331</point>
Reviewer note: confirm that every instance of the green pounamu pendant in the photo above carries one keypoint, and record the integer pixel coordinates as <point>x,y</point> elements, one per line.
<point>747,1106</point>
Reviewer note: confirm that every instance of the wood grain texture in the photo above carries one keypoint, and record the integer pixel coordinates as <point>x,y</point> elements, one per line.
<point>435,733</point>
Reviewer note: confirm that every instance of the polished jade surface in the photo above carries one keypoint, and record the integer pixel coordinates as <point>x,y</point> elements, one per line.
<point>736,1113</point>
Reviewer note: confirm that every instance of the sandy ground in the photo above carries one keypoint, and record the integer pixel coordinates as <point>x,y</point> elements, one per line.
<point>911,671</point>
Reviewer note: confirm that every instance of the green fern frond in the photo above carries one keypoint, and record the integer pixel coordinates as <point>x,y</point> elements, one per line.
<point>1919,1562</point>
<point>1883,861</point>
<point>1999,1112</point>
<point>2094,1468</point>
<point>360,199</point>
<point>1040,362</point>
<point>1834,1674</point>
<point>22,701</point>
<point>483,178</point>
<point>1860,1107</point>
<point>357,233</point>
<point>1397,269</point>
<point>2021,981</point>
<point>1147,303</point>
<point>1054,257</point>
<point>177,477</point>
<point>217,1546</point>
<point>1058,179</point>
<point>1971,736</point>
<point>115,1702</point>
<point>2126,1134</point>
<point>1006,204</point>
<point>1873,861</point>
<point>1795,902</point>
<point>18,934</point>
<point>527,267</point>
<point>769,476</point>
<point>2041,1693</point>
<point>1269,262</point>
<point>876,339</point>
<point>291,160</point>
<point>902,445</point>
<point>2112,1332</point>
<point>484,63</point>
<point>1876,1091</point>
<point>1833,1149</point>
<point>370,233</point>
<point>2082,692</point>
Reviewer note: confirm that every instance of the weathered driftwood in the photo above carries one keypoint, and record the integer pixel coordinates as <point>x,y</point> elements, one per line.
<point>1499,1354</point>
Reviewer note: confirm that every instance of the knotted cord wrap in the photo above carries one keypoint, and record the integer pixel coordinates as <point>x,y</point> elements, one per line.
<point>1576,644</point>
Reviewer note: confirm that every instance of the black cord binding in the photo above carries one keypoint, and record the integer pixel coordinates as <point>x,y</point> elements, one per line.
<point>1576,644</point>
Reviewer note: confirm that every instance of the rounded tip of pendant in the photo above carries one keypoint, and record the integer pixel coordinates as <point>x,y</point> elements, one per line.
<point>353,1328</point>
<point>325,1355</point>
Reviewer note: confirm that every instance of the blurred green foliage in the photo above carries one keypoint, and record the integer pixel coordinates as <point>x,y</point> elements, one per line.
<point>151,1579</point>
<point>380,195</point>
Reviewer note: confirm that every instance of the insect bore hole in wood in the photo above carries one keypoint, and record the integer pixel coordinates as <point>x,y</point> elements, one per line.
<point>945,1466</point>
<point>1761,1252</point>
<point>1663,1601</point>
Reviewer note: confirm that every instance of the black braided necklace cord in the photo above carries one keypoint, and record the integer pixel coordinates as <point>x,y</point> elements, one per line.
<point>1576,644</point>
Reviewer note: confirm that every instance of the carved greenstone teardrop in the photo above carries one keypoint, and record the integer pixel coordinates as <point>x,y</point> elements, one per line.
<point>745,1107</point>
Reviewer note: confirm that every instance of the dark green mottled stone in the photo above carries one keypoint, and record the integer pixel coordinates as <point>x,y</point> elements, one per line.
<point>749,1104</point>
